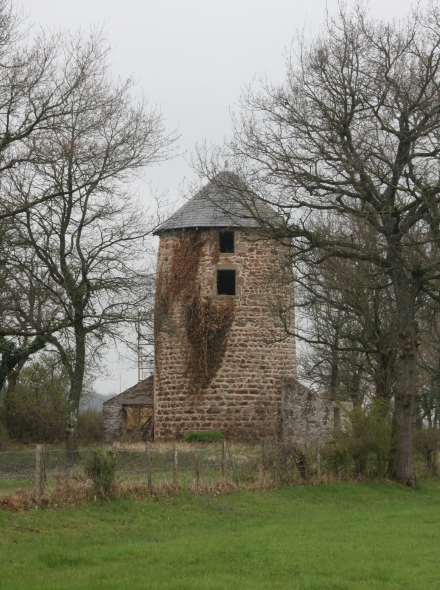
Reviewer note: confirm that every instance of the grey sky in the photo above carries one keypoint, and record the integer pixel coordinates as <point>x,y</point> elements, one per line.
<point>192,57</point>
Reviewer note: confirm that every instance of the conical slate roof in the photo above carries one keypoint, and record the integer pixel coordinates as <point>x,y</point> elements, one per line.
<point>216,205</point>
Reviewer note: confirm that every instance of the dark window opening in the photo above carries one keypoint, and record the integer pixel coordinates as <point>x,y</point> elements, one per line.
<point>226,282</point>
<point>227,241</point>
<point>337,417</point>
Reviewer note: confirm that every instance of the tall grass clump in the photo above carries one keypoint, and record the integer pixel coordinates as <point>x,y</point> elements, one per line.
<point>101,469</point>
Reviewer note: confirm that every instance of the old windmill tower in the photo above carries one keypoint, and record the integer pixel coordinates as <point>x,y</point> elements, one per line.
<point>220,349</point>
<point>222,360</point>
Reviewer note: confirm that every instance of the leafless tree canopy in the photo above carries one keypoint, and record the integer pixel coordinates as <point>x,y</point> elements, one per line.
<point>353,135</point>
<point>72,140</point>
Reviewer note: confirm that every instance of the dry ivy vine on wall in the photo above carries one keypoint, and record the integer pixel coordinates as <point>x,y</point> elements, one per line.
<point>207,328</point>
<point>179,281</point>
<point>207,323</point>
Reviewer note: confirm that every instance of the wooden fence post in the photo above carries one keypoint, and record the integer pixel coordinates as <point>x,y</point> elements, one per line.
<point>197,468</point>
<point>263,456</point>
<point>149,466</point>
<point>318,462</point>
<point>40,473</point>
<point>224,460</point>
<point>175,466</point>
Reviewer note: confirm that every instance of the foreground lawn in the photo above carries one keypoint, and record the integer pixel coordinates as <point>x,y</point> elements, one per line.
<point>320,537</point>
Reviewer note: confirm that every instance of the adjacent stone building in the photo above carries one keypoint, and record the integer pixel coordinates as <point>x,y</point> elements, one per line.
<point>130,412</point>
<point>221,299</point>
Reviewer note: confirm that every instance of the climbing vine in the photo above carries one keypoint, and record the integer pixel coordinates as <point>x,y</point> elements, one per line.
<point>207,322</point>
<point>179,282</point>
<point>207,327</point>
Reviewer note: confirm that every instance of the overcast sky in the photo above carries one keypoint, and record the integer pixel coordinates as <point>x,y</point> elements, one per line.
<point>191,58</point>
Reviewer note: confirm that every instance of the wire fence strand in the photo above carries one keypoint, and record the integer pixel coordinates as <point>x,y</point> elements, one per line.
<point>183,463</point>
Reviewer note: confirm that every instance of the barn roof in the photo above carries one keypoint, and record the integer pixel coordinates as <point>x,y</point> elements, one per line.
<point>140,394</point>
<point>218,204</point>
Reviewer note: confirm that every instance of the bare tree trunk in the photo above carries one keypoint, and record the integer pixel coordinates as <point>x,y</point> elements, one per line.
<point>72,426</point>
<point>334,371</point>
<point>13,378</point>
<point>403,426</point>
<point>355,387</point>
<point>402,463</point>
<point>383,378</point>
<point>76,390</point>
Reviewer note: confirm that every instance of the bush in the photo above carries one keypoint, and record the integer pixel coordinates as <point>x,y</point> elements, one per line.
<point>5,442</point>
<point>286,463</point>
<point>101,468</point>
<point>364,445</point>
<point>36,411</point>
<point>208,436</point>
<point>336,457</point>
<point>90,426</point>
<point>427,443</point>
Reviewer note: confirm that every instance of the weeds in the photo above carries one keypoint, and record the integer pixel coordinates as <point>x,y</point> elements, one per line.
<point>101,469</point>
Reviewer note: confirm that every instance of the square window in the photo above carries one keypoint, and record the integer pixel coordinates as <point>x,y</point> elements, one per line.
<point>226,282</point>
<point>227,241</point>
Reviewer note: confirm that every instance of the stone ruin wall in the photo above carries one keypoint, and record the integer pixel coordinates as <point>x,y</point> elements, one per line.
<point>306,415</point>
<point>241,396</point>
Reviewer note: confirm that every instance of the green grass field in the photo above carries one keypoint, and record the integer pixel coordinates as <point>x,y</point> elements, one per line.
<point>322,537</point>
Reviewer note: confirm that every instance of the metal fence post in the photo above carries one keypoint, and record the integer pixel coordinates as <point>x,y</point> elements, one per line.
<point>175,466</point>
<point>318,462</point>
<point>40,473</point>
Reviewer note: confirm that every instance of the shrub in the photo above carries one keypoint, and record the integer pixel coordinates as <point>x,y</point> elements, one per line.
<point>427,443</point>
<point>336,457</point>
<point>370,440</point>
<point>101,468</point>
<point>364,445</point>
<point>286,463</point>
<point>35,411</point>
<point>90,426</point>
<point>4,438</point>
<point>208,436</point>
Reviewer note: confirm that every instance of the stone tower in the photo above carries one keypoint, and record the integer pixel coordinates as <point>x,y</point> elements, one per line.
<point>220,347</point>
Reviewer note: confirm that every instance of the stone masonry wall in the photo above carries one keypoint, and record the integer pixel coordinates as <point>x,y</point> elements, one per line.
<point>112,421</point>
<point>306,415</point>
<point>233,383</point>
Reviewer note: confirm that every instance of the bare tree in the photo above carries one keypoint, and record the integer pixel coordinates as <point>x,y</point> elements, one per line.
<point>39,74</point>
<point>28,309</point>
<point>30,312</point>
<point>355,130</point>
<point>349,324</point>
<point>39,78</point>
<point>90,240</point>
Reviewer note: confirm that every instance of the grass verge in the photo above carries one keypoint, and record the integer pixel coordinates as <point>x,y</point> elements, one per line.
<point>335,536</point>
